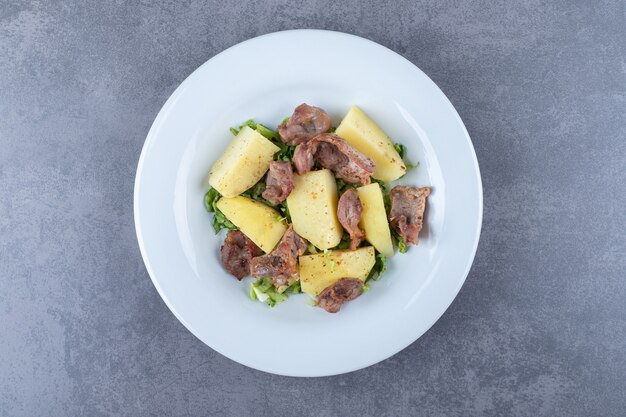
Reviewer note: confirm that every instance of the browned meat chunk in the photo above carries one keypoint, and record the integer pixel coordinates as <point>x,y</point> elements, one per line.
<point>237,251</point>
<point>282,263</point>
<point>407,211</point>
<point>279,182</point>
<point>342,291</point>
<point>349,210</point>
<point>336,154</point>
<point>303,157</point>
<point>305,122</point>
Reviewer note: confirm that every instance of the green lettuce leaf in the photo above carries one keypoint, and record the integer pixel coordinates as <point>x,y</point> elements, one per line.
<point>401,149</point>
<point>311,249</point>
<point>343,186</point>
<point>380,266</point>
<point>264,291</point>
<point>345,242</point>
<point>219,220</point>
<point>284,210</point>
<point>255,192</point>
<point>210,198</point>
<point>399,242</point>
<point>286,151</point>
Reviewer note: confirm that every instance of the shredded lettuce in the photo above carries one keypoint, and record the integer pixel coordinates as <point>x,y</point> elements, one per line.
<point>380,266</point>
<point>284,209</point>
<point>345,242</point>
<point>286,151</point>
<point>255,192</point>
<point>267,132</point>
<point>401,149</point>
<point>343,186</point>
<point>399,242</point>
<point>294,288</point>
<point>219,220</point>
<point>402,247</point>
<point>250,123</point>
<point>210,198</point>
<point>264,291</point>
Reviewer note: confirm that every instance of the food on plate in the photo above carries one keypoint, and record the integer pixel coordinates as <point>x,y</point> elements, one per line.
<point>305,123</point>
<point>342,291</point>
<point>334,153</point>
<point>320,270</point>
<point>243,163</point>
<point>237,251</point>
<point>279,182</point>
<point>349,212</point>
<point>325,231</point>
<point>374,218</point>
<point>281,264</point>
<point>261,223</point>
<point>312,205</point>
<point>361,132</point>
<point>407,211</point>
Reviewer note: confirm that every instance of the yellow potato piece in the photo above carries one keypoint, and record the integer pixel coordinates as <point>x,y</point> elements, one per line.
<point>243,163</point>
<point>361,132</point>
<point>322,270</point>
<point>313,208</point>
<point>374,218</point>
<point>262,224</point>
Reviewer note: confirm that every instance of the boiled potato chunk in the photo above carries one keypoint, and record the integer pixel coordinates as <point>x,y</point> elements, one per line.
<point>313,208</point>
<point>243,163</point>
<point>324,269</point>
<point>262,224</point>
<point>365,135</point>
<point>374,218</point>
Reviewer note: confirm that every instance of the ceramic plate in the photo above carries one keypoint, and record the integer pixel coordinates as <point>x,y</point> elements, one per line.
<point>265,78</point>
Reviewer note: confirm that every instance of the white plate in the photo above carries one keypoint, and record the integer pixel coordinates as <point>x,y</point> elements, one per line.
<point>265,78</point>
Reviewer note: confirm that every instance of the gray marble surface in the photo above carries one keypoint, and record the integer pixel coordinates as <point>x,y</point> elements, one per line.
<point>539,329</point>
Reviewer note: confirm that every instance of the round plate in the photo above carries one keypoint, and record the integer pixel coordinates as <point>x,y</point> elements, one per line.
<point>265,78</point>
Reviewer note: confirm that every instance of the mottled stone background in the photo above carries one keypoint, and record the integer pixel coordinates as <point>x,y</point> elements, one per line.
<point>539,329</point>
